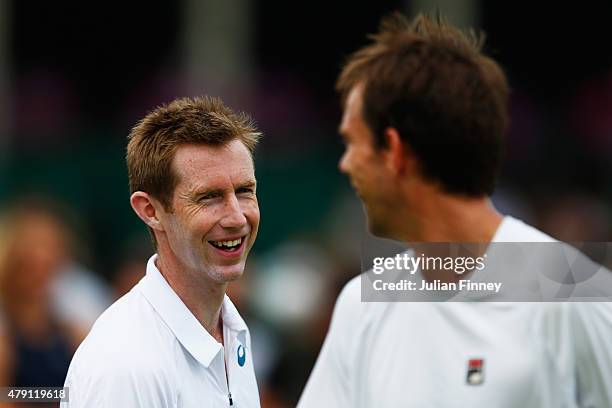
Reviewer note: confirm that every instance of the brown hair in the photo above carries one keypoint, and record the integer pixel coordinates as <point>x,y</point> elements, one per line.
<point>153,141</point>
<point>448,101</point>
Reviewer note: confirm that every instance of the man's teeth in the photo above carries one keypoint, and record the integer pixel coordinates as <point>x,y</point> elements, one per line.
<point>227,244</point>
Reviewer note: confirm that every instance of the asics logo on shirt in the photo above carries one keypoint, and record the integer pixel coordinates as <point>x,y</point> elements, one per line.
<point>241,352</point>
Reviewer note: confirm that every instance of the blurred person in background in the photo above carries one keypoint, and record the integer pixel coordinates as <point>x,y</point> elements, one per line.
<point>176,339</point>
<point>424,116</point>
<point>39,341</point>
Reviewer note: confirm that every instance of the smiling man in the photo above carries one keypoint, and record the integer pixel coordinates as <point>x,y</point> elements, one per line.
<point>176,339</point>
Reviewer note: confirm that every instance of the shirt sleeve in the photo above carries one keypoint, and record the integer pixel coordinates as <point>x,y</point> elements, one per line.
<point>592,338</point>
<point>330,381</point>
<point>118,383</point>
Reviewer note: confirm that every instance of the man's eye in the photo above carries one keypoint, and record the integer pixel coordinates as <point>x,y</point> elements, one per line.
<point>207,197</point>
<point>245,190</point>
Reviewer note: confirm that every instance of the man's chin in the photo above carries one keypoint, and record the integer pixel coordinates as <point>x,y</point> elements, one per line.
<point>229,273</point>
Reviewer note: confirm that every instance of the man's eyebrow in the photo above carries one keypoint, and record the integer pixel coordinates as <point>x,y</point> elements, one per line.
<point>216,192</point>
<point>247,184</point>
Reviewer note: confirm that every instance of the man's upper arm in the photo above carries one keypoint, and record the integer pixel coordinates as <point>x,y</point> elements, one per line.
<point>329,384</point>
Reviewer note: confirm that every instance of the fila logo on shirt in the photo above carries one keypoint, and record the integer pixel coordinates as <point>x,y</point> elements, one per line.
<point>241,353</point>
<point>475,373</point>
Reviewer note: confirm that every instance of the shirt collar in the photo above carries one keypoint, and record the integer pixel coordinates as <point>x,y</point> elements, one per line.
<point>188,331</point>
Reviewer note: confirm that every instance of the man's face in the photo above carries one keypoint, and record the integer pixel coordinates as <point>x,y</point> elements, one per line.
<point>214,218</point>
<point>365,164</point>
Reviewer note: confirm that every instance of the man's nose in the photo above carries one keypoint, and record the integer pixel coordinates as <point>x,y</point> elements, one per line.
<point>234,216</point>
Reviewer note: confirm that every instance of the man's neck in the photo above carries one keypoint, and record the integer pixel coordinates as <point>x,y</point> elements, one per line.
<point>440,217</point>
<point>447,218</point>
<point>461,220</point>
<point>203,298</point>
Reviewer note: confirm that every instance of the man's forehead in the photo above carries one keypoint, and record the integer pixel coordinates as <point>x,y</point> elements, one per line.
<point>202,165</point>
<point>230,154</point>
<point>352,108</point>
<point>355,94</point>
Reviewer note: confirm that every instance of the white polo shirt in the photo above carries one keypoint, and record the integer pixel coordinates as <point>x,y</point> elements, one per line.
<point>540,355</point>
<point>148,350</point>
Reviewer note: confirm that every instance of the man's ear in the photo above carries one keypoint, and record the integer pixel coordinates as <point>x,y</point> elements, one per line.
<point>400,157</point>
<point>148,209</point>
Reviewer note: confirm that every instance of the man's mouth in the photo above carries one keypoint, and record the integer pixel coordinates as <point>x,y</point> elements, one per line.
<point>228,246</point>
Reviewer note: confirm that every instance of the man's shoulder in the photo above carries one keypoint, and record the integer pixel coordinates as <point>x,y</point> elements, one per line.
<point>129,333</point>
<point>351,313</point>
<point>515,230</point>
<point>349,299</point>
<point>127,359</point>
<point>129,315</point>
